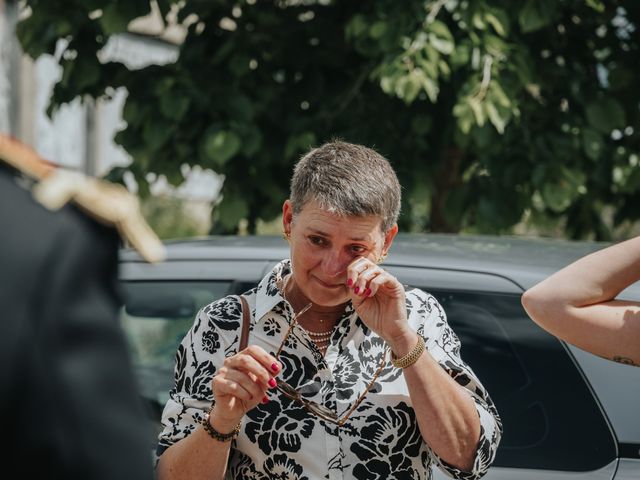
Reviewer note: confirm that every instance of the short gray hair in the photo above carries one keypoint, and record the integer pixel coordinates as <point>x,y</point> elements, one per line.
<point>347,179</point>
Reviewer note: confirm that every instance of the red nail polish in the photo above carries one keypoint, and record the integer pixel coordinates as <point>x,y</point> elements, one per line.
<point>272,382</point>
<point>349,282</point>
<point>265,399</point>
<point>367,292</point>
<point>274,367</point>
<point>356,290</point>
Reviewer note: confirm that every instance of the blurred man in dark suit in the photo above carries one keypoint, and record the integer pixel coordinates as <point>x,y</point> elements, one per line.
<point>67,394</point>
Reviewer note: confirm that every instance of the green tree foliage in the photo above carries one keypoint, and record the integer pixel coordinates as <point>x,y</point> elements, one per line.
<point>172,217</point>
<point>488,109</point>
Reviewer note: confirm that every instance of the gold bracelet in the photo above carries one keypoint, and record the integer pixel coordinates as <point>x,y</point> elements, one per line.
<point>213,433</point>
<point>411,357</point>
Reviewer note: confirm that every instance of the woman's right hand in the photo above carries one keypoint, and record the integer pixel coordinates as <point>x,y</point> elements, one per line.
<point>241,384</point>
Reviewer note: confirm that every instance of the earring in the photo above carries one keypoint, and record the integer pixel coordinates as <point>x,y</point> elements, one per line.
<point>286,236</point>
<point>382,257</point>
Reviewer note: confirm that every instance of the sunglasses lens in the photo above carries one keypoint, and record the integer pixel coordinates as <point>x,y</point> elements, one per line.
<point>323,411</point>
<point>287,389</point>
<point>313,407</point>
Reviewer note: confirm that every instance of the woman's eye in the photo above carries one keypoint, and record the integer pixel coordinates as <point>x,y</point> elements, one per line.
<point>317,240</point>
<point>358,249</point>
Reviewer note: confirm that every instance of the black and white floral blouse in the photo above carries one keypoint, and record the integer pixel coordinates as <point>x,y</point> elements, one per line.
<point>281,439</point>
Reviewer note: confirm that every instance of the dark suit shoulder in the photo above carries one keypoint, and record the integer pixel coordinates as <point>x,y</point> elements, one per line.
<point>54,187</point>
<point>31,228</point>
<point>103,202</point>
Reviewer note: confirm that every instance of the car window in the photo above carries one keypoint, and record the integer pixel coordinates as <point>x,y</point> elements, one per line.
<point>550,418</point>
<point>155,318</point>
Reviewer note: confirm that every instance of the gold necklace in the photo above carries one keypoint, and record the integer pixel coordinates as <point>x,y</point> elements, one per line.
<point>321,339</point>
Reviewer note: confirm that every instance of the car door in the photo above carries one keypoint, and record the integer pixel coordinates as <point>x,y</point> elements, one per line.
<point>553,426</point>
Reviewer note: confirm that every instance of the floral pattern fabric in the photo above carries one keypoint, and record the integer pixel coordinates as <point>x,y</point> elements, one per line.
<point>281,439</point>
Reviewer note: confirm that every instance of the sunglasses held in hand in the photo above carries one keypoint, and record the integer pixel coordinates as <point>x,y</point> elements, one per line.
<point>314,408</point>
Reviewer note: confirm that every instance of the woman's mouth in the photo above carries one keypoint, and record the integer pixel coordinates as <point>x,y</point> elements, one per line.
<point>328,285</point>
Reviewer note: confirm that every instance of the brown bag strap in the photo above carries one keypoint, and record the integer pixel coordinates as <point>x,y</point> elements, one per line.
<point>244,337</point>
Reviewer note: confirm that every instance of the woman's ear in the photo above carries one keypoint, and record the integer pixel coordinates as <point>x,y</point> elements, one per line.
<point>287,217</point>
<point>388,238</point>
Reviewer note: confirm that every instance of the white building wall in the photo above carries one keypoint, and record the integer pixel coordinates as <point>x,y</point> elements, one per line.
<point>80,135</point>
<point>5,87</point>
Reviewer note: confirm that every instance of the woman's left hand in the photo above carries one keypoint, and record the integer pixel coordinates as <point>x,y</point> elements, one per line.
<point>378,298</point>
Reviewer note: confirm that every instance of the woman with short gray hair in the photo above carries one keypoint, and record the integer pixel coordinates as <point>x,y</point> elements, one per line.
<point>346,374</point>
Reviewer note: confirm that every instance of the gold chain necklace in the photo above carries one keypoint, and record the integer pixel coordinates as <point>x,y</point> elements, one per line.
<point>321,339</point>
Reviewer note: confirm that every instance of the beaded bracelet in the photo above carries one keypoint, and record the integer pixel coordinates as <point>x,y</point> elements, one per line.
<point>213,433</point>
<point>411,357</point>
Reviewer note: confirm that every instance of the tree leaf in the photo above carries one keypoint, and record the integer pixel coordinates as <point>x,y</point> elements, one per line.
<point>413,85</point>
<point>477,21</point>
<point>174,106</point>
<point>499,20</point>
<point>498,94</point>
<point>562,189</point>
<point>597,5</point>
<point>377,30</point>
<point>156,133</point>
<point>220,146</point>
<point>536,14</point>
<point>494,117</point>
<point>132,113</point>
<point>387,84</point>
<point>478,112</point>
<point>442,45</point>
<point>556,197</point>
<point>441,30</point>
<point>36,34</point>
<point>592,143</point>
<point>251,141</point>
<point>231,210</point>
<point>356,27</point>
<point>605,115</point>
<point>112,19</point>
<point>297,143</point>
<point>431,88</point>
<point>460,56</point>
<point>464,116</point>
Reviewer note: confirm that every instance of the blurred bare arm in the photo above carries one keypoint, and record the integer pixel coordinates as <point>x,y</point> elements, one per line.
<point>578,303</point>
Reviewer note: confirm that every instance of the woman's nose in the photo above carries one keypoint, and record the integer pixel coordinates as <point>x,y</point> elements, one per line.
<point>334,264</point>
